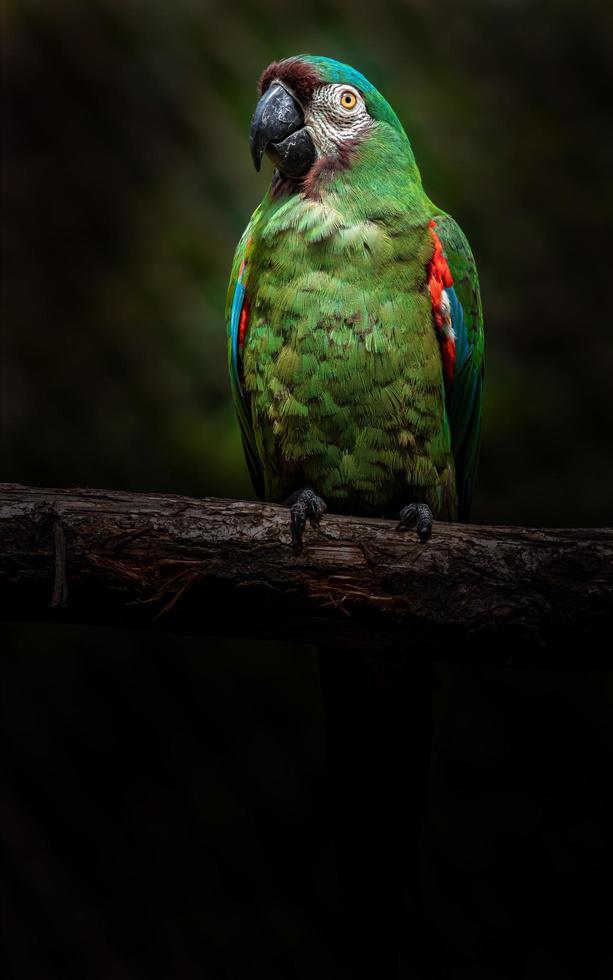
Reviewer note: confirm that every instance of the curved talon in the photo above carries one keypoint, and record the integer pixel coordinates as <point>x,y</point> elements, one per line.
<point>306,504</point>
<point>418,516</point>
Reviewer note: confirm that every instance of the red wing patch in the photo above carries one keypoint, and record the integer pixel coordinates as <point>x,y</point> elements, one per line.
<point>440,279</point>
<point>243,320</point>
<point>243,323</point>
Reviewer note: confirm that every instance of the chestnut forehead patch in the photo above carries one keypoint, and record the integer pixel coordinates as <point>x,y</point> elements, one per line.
<point>298,75</point>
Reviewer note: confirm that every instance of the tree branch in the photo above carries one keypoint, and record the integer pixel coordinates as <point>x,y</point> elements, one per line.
<point>226,567</point>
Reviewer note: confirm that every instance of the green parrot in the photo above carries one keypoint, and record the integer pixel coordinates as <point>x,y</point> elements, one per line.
<point>355,329</point>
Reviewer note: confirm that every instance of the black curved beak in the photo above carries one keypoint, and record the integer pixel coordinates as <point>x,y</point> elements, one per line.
<point>277,128</point>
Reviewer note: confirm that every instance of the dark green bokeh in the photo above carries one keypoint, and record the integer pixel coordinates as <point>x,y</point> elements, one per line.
<point>127,182</point>
<point>164,810</point>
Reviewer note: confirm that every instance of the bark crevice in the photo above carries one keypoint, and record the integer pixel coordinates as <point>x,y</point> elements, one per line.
<point>226,567</point>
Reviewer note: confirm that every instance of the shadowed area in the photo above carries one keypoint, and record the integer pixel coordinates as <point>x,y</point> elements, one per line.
<point>162,798</point>
<point>163,815</point>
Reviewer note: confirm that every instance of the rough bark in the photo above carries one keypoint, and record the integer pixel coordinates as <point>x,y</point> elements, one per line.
<point>226,567</point>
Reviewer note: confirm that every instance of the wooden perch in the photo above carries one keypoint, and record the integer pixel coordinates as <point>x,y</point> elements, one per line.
<point>226,567</point>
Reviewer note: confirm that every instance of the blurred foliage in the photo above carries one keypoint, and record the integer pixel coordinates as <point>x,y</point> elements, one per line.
<point>127,182</point>
<point>161,814</point>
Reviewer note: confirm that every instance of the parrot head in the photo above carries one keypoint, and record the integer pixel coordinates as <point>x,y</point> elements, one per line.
<point>313,109</point>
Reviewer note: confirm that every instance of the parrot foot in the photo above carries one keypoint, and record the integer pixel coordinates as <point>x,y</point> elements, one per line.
<point>418,516</point>
<point>304,504</point>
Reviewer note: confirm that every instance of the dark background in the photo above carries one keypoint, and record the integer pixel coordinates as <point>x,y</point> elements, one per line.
<point>163,796</point>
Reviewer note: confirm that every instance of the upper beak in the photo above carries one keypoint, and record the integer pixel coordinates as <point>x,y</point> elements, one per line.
<point>277,127</point>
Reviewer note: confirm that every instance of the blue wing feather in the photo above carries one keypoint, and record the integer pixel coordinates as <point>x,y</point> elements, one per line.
<point>241,401</point>
<point>235,315</point>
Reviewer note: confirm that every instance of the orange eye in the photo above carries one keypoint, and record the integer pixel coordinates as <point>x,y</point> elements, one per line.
<point>348,99</point>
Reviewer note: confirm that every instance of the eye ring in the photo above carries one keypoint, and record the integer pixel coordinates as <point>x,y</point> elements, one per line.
<point>348,99</point>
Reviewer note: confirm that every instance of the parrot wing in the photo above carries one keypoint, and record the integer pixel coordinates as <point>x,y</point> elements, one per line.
<point>463,392</point>
<point>237,321</point>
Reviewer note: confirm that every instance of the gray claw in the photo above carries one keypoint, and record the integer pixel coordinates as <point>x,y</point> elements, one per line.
<point>418,516</point>
<point>306,505</point>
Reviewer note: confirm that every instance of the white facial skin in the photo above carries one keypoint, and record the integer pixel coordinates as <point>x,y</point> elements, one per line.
<point>335,115</point>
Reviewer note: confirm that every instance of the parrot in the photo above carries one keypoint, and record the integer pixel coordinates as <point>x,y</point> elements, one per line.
<point>354,318</point>
<point>356,359</point>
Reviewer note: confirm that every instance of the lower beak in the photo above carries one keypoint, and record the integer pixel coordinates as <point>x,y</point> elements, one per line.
<point>278,129</point>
